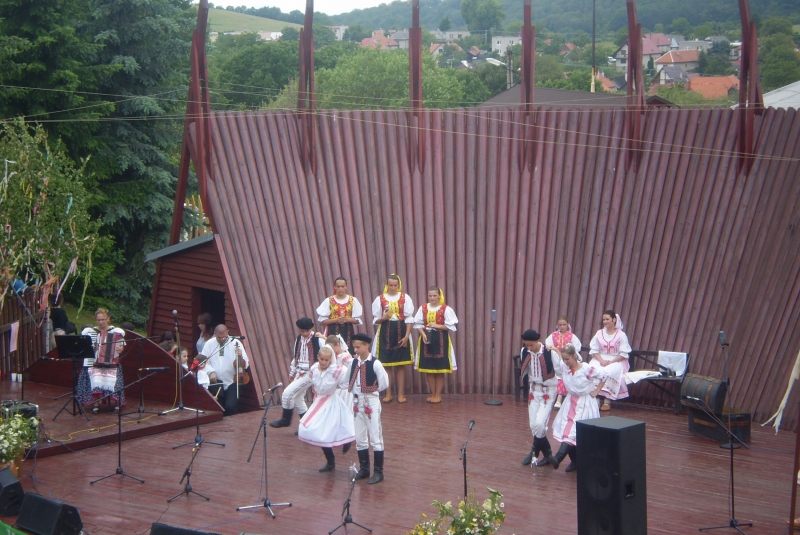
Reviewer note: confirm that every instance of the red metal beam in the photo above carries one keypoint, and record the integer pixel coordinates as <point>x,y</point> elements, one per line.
<point>635,90</point>
<point>306,99</point>
<point>528,68</point>
<point>751,99</point>
<point>416,134</point>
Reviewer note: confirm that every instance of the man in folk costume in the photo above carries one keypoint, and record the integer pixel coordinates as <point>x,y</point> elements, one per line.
<point>223,352</point>
<point>537,364</point>
<point>306,348</point>
<point>367,379</point>
<point>393,313</point>
<point>340,313</point>
<point>104,378</point>
<point>435,355</point>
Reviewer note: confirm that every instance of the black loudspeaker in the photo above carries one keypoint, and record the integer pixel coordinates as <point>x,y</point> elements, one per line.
<point>163,529</point>
<point>11,493</point>
<point>41,516</point>
<point>612,489</point>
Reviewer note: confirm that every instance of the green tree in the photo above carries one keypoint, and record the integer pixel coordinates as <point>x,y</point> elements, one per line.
<point>579,80</point>
<point>328,57</point>
<point>475,91</point>
<point>681,26</point>
<point>548,69</point>
<point>290,33</point>
<point>621,37</point>
<point>779,63</point>
<point>658,28</point>
<point>133,161</point>
<point>704,30</point>
<point>774,26</point>
<point>254,75</point>
<point>445,24</point>
<point>482,15</point>
<point>514,27</point>
<point>45,213</point>
<point>492,77</point>
<point>323,36</point>
<point>50,72</point>
<point>581,38</point>
<point>355,33</point>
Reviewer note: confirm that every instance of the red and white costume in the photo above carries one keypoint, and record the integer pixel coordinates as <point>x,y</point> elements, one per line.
<point>560,340</point>
<point>578,404</point>
<point>328,421</point>
<point>542,388</point>
<point>367,401</point>
<point>610,346</point>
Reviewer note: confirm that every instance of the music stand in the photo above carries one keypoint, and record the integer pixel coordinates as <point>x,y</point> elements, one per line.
<point>75,348</point>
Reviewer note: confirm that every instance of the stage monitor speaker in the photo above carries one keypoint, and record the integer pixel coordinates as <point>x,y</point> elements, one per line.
<point>11,493</point>
<point>41,516</point>
<point>612,490</point>
<point>163,529</point>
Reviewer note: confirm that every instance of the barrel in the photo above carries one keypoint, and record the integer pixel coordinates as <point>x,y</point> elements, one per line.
<point>703,393</point>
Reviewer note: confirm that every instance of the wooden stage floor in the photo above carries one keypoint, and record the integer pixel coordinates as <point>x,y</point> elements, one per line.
<point>687,476</point>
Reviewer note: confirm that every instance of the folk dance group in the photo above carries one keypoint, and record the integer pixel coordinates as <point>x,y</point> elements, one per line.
<point>557,374</point>
<point>347,403</point>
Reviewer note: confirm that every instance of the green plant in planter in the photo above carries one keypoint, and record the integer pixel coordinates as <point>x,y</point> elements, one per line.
<point>17,433</point>
<point>470,518</point>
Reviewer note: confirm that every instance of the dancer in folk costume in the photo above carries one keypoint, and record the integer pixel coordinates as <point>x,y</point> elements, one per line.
<point>328,422</point>
<point>340,313</point>
<point>434,355</point>
<point>610,350</point>
<point>537,364</point>
<point>583,382</point>
<point>306,347</point>
<point>367,379</point>
<point>393,312</point>
<point>342,358</point>
<point>104,378</point>
<point>562,336</point>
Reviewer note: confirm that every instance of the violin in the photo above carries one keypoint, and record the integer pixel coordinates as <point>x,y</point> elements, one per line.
<point>239,367</point>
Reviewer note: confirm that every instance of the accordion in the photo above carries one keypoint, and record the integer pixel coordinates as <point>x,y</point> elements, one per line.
<point>108,349</point>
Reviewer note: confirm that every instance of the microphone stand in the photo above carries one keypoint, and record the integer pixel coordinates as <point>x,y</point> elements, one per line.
<point>119,471</point>
<point>464,457</point>
<point>187,475</point>
<point>141,410</point>
<point>347,518</point>
<point>198,438</point>
<point>732,522</point>
<point>178,373</point>
<point>493,401</point>
<point>263,429</point>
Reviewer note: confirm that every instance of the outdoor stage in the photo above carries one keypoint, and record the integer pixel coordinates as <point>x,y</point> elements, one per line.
<point>687,476</point>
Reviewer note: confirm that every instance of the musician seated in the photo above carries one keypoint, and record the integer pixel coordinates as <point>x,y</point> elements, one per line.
<point>101,382</point>
<point>205,372</point>
<point>225,353</point>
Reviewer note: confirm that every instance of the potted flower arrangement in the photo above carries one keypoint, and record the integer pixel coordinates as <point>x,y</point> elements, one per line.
<point>17,434</point>
<point>469,518</point>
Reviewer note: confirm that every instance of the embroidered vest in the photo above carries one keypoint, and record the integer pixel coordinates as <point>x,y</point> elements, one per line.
<point>339,310</point>
<point>545,363</point>
<point>313,353</point>
<point>368,380</point>
<point>561,341</point>
<point>433,317</point>
<point>396,307</point>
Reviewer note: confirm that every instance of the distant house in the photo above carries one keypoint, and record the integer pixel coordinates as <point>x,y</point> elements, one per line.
<point>661,41</point>
<point>269,36</point>
<point>379,41</point>
<point>438,48</point>
<point>687,59</point>
<point>566,49</point>
<point>608,84</point>
<point>450,35</point>
<point>473,53</point>
<point>713,87</point>
<point>501,42</point>
<point>787,96</point>
<point>649,50</point>
<point>694,45</point>
<point>338,31</point>
<point>671,75</point>
<point>401,37</point>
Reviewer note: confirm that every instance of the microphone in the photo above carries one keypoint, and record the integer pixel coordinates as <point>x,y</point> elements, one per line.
<point>277,386</point>
<point>471,424</point>
<point>722,341</point>
<point>159,369</point>
<point>237,337</point>
<point>175,316</point>
<point>494,316</point>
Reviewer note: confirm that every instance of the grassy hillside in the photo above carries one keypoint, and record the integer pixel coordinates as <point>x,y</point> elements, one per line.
<point>221,20</point>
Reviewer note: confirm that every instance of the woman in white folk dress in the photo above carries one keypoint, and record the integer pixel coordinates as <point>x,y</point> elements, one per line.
<point>610,349</point>
<point>329,421</point>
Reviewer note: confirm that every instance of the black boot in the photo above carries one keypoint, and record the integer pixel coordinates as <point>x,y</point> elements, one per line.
<point>330,458</point>
<point>533,454</point>
<point>363,460</point>
<point>573,456</point>
<point>556,459</point>
<point>347,447</point>
<point>547,452</point>
<point>299,417</point>
<point>377,476</point>
<point>286,419</point>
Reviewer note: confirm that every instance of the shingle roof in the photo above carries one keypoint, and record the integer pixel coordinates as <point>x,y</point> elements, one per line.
<point>679,56</point>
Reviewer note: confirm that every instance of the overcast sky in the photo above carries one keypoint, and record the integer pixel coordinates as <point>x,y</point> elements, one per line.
<point>330,7</point>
